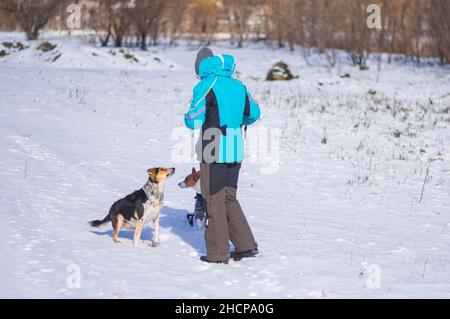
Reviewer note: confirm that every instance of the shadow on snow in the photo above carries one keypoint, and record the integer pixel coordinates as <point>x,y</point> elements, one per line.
<point>170,218</point>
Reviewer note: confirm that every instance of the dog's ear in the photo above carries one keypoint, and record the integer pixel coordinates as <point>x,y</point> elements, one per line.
<point>194,171</point>
<point>152,172</point>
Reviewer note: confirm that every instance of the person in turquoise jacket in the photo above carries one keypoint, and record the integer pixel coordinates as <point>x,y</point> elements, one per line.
<point>221,102</point>
<point>221,107</point>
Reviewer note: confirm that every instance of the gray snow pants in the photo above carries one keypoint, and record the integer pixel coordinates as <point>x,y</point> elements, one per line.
<point>225,219</point>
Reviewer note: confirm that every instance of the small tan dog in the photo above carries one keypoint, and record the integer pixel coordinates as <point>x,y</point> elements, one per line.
<point>192,181</point>
<point>199,215</point>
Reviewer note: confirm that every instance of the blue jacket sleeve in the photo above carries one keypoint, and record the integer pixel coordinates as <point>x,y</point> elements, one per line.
<point>252,111</point>
<point>195,116</point>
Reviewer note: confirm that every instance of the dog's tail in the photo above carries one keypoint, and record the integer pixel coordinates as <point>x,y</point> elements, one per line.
<point>99,223</point>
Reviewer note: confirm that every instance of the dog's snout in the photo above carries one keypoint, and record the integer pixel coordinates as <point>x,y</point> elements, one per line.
<point>182,184</point>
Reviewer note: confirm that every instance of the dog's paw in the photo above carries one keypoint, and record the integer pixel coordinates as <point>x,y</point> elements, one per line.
<point>155,243</point>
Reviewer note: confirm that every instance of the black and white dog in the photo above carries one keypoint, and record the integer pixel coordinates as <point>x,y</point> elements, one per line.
<point>139,208</point>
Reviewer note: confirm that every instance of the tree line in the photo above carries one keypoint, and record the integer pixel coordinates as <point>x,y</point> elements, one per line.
<point>416,28</point>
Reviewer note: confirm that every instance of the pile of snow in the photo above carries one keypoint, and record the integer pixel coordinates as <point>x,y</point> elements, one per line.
<point>69,52</point>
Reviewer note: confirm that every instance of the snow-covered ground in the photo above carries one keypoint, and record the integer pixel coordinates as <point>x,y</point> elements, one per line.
<point>342,217</point>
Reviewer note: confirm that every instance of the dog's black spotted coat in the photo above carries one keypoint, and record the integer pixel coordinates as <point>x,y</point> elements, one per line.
<point>143,202</point>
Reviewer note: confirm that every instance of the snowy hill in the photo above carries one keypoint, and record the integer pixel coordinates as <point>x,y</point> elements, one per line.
<point>76,53</point>
<point>358,150</point>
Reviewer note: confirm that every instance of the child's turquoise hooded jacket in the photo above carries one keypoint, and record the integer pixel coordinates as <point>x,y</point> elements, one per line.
<point>223,103</point>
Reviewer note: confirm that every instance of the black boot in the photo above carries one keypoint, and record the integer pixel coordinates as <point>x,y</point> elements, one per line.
<point>205,259</point>
<point>244,254</point>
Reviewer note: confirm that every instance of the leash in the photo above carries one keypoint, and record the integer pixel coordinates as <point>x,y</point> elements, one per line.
<point>190,218</point>
<point>199,208</point>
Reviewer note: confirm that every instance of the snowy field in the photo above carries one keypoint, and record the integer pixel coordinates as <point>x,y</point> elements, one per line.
<point>359,206</point>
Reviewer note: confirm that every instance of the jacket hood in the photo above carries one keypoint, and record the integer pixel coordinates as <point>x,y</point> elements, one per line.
<point>219,65</point>
<point>202,54</point>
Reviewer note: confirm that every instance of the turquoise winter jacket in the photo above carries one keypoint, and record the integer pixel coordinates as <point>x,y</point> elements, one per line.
<point>223,103</point>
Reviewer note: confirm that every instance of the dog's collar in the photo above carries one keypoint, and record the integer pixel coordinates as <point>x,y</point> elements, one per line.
<point>147,192</point>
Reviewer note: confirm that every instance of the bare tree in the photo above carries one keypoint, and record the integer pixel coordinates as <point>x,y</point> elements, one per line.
<point>358,34</point>
<point>176,12</point>
<point>414,28</point>
<point>101,20</point>
<point>120,20</point>
<point>282,17</point>
<point>146,15</point>
<point>204,15</point>
<point>239,13</point>
<point>31,15</point>
<point>416,25</point>
<point>158,19</point>
<point>7,21</point>
<point>439,22</point>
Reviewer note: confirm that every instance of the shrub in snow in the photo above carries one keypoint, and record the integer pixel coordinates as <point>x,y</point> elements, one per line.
<point>14,45</point>
<point>11,47</point>
<point>129,56</point>
<point>280,72</point>
<point>46,46</point>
